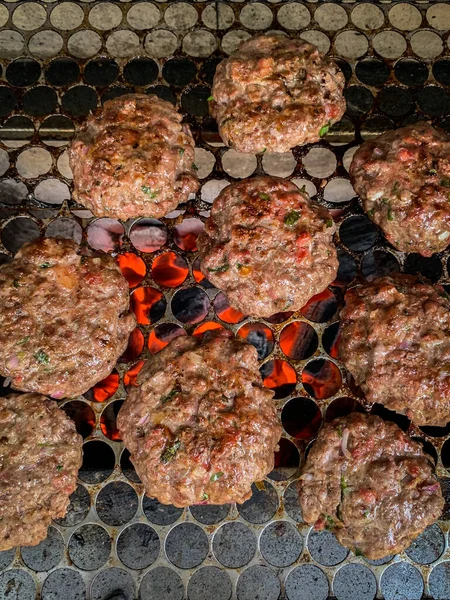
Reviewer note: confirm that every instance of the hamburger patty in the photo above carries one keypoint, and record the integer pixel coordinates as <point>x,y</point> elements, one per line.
<point>369,483</point>
<point>274,93</point>
<point>40,454</point>
<point>133,158</point>
<point>267,246</point>
<point>403,180</point>
<point>395,341</point>
<point>200,426</point>
<point>64,318</point>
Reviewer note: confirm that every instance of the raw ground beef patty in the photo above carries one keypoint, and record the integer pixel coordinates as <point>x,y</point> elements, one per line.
<point>395,341</point>
<point>64,318</point>
<point>369,483</point>
<point>200,426</point>
<point>133,158</point>
<point>274,93</point>
<point>403,180</point>
<point>267,246</point>
<point>40,454</point>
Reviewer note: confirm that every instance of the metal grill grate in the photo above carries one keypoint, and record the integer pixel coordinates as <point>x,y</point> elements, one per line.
<point>59,60</point>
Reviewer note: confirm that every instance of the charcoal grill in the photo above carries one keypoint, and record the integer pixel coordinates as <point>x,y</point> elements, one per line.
<point>59,61</point>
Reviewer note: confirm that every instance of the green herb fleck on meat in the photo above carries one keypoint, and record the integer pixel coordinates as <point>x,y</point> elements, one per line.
<point>324,130</point>
<point>210,98</point>
<point>291,218</point>
<point>264,196</point>
<point>329,522</point>
<point>181,151</point>
<point>390,214</point>
<point>205,496</point>
<point>45,265</point>
<point>194,166</point>
<point>220,269</point>
<point>371,212</point>
<point>445,182</point>
<point>432,172</point>
<point>170,452</point>
<point>216,476</point>
<point>344,485</point>
<point>16,283</point>
<point>41,357</point>
<point>396,186</point>
<point>339,431</point>
<point>170,395</point>
<point>24,340</point>
<point>263,150</point>
<point>358,552</point>
<point>329,222</point>
<point>59,467</point>
<point>366,514</point>
<point>148,190</point>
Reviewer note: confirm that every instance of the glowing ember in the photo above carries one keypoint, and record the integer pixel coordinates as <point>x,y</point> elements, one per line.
<point>225,312</point>
<point>278,375</point>
<point>321,378</point>
<point>148,304</point>
<point>130,376</point>
<point>133,268</point>
<point>104,389</point>
<point>321,307</point>
<point>208,326</point>
<point>162,335</point>
<point>198,275</point>
<point>135,346</point>
<point>185,234</point>
<point>298,340</point>
<point>169,269</point>
<point>108,423</point>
